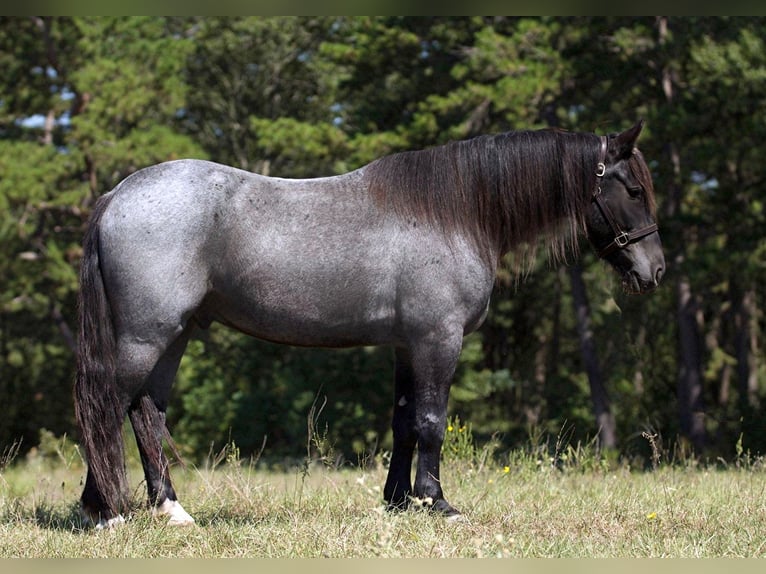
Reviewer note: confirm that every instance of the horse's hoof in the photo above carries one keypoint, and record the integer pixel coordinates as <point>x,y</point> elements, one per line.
<point>104,524</point>
<point>448,511</point>
<point>176,514</point>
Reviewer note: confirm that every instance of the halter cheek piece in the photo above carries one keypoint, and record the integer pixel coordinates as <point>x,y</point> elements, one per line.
<point>621,238</point>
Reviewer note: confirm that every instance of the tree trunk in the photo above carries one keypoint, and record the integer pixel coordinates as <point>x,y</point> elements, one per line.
<point>746,345</point>
<point>690,403</point>
<point>607,437</point>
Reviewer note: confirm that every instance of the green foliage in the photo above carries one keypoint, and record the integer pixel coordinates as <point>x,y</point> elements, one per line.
<point>511,74</point>
<point>304,149</point>
<point>461,449</point>
<point>53,451</point>
<point>85,101</point>
<point>258,93</point>
<point>133,90</point>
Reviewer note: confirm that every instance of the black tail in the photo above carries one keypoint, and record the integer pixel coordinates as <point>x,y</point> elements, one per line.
<point>98,409</point>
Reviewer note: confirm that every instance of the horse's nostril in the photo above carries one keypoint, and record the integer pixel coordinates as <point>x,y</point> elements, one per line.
<point>658,275</point>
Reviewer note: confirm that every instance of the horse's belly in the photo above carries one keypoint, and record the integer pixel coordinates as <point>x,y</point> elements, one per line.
<point>307,315</point>
<point>345,285</point>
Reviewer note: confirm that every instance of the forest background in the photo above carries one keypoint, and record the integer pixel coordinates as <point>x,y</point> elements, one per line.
<point>85,101</point>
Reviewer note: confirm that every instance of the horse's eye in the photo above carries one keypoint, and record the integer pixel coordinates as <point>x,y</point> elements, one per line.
<point>635,190</point>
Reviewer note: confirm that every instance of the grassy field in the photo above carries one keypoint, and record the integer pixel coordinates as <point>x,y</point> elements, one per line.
<point>528,507</point>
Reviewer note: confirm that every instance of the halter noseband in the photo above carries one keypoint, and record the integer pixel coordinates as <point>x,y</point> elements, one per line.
<point>621,238</point>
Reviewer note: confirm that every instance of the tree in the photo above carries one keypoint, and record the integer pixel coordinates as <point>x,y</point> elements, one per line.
<point>261,95</point>
<point>607,432</point>
<point>726,72</point>
<point>39,227</point>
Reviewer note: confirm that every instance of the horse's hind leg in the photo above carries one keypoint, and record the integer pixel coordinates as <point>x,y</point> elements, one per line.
<point>147,416</point>
<point>149,427</point>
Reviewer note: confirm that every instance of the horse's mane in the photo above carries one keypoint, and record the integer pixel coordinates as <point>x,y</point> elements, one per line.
<point>640,171</point>
<point>500,191</point>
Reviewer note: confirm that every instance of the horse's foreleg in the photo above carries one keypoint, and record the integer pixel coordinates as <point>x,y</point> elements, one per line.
<point>434,368</point>
<point>433,364</point>
<point>398,487</point>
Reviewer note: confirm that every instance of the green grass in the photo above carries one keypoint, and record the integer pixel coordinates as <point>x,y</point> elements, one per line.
<point>527,507</point>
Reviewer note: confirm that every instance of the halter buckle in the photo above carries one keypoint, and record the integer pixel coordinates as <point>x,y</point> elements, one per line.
<point>600,169</point>
<point>622,239</point>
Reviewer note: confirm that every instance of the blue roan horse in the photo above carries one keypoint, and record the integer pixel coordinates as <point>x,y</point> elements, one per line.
<point>401,252</point>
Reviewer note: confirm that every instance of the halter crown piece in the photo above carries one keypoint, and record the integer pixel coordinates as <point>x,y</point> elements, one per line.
<point>621,238</point>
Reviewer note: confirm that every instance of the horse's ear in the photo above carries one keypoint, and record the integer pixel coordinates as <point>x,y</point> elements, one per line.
<point>621,146</point>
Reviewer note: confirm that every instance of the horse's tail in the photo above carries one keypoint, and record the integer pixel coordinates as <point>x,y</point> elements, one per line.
<point>98,410</point>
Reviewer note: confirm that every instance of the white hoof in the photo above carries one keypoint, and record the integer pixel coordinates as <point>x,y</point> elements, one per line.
<point>176,514</point>
<point>111,523</point>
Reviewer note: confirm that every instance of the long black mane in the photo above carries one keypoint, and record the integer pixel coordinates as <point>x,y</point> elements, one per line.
<point>502,191</point>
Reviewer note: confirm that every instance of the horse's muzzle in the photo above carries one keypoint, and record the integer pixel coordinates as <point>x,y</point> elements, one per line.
<point>634,284</point>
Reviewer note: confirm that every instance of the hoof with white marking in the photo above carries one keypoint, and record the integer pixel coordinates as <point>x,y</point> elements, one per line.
<point>176,514</point>
<point>103,524</point>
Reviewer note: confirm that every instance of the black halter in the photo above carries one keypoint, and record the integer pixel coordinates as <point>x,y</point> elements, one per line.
<point>621,238</point>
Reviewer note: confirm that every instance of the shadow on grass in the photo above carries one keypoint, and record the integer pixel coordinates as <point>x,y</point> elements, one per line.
<point>229,517</point>
<point>69,519</point>
<point>63,519</point>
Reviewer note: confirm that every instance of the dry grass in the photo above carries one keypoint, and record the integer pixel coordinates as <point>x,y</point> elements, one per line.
<point>526,509</point>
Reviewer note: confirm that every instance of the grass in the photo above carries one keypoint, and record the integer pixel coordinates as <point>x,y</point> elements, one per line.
<point>531,506</point>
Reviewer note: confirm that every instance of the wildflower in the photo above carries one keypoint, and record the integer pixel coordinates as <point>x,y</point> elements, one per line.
<point>651,516</point>
<point>506,469</point>
<point>450,428</point>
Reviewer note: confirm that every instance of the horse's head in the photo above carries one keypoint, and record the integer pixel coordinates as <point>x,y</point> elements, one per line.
<point>621,219</point>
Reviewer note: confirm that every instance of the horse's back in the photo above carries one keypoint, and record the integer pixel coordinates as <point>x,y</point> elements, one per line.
<point>169,191</point>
